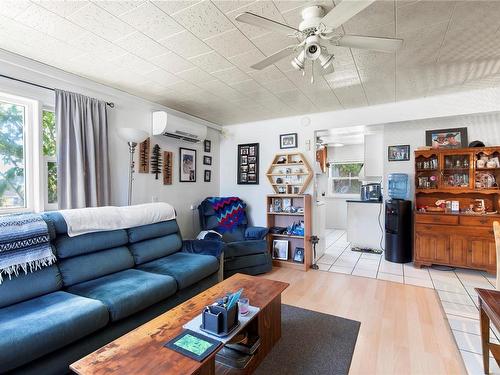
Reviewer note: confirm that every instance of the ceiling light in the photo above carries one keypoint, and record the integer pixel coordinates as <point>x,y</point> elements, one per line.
<point>298,62</point>
<point>325,59</point>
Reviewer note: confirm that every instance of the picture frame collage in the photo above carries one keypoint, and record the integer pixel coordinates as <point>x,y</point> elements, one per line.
<point>207,160</point>
<point>248,164</point>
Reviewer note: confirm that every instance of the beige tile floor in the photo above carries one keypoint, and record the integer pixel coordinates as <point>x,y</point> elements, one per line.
<point>455,289</point>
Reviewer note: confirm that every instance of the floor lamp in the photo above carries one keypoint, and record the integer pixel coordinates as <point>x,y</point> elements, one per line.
<point>132,136</point>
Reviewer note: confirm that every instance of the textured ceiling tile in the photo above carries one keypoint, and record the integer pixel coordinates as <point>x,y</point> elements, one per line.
<point>49,23</point>
<point>230,43</point>
<point>185,44</point>
<point>380,13</point>
<point>171,62</point>
<point>94,19</point>
<point>423,13</point>
<point>118,7</point>
<point>61,7</point>
<point>231,75</point>
<point>271,43</point>
<point>351,96</point>
<point>279,85</point>
<point>265,8</point>
<point>220,89</point>
<point>174,6</point>
<point>12,8</point>
<point>140,45</point>
<point>204,20</point>
<point>379,85</point>
<point>426,37</point>
<point>459,46</point>
<point>270,73</point>
<point>195,75</point>
<point>245,60</point>
<point>134,63</point>
<point>249,86</point>
<point>365,59</point>
<point>100,47</point>
<point>211,62</point>
<point>472,16</point>
<point>229,5</point>
<point>162,77</point>
<point>151,21</point>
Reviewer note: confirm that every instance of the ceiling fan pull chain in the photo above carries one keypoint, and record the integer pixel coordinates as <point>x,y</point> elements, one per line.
<point>312,71</point>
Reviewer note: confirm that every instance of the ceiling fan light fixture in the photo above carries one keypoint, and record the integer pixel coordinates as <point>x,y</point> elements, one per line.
<point>326,60</point>
<point>298,62</point>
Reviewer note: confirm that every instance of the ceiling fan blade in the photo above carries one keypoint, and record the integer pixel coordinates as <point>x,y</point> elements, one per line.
<point>265,23</point>
<point>275,57</point>
<point>388,45</point>
<point>344,12</point>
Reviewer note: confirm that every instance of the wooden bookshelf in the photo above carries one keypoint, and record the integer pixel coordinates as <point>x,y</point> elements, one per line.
<point>285,219</point>
<point>289,173</point>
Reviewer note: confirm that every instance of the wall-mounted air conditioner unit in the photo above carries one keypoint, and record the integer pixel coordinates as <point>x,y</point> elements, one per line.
<point>176,127</point>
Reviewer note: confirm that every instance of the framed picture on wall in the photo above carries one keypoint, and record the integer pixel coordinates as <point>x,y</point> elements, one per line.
<point>187,165</point>
<point>288,140</point>
<point>207,160</point>
<point>248,164</point>
<point>207,145</point>
<point>398,153</point>
<point>207,175</point>
<point>446,138</point>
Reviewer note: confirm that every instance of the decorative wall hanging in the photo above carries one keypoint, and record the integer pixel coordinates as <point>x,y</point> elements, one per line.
<point>290,173</point>
<point>187,165</point>
<point>288,140</point>
<point>208,175</point>
<point>156,161</point>
<point>248,164</point>
<point>398,153</point>
<point>144,150</point>
<point>446,138</point>
<point>207,160</point>
<point>207,145</point>
<point>167,167</point>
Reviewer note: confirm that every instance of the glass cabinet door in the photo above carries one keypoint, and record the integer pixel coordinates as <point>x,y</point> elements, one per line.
<point>456,169</point>
<point>427,171</point>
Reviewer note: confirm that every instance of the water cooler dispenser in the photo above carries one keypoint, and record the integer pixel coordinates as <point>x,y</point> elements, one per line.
<point>398,225</point>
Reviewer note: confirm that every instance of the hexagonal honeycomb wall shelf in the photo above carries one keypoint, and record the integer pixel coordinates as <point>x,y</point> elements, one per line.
<point>290,173</point>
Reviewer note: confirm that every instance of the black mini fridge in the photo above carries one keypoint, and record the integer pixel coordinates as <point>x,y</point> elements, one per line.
<point>398,231</point>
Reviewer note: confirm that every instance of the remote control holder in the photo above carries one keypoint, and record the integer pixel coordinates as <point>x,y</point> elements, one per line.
<point>218,320</point>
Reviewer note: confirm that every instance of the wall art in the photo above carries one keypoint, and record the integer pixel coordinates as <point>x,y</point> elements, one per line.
<point>144,150</point>
<point>446,138</point>
<point>187,165</point>
<point>248,164</point>
<point>398,153</point>
<point>288,140</point>
<point>168,162</point>
<point>156,161</point>
<point>208,175</point>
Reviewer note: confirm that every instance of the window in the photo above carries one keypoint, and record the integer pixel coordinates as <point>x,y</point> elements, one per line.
<point>12,156</point>
<point>49,158</point>
<point>344,178</point>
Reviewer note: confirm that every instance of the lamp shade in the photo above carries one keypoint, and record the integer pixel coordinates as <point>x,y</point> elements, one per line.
<point>132,134</point>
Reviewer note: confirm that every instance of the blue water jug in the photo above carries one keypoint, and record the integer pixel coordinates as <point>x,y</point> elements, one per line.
<point>398,186</point>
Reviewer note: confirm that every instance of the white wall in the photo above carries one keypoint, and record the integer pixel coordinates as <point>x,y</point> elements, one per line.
<point>129,111</point>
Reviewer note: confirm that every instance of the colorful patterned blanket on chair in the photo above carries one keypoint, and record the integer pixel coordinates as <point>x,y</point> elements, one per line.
<point>24,244</point>
<point>230,212</point>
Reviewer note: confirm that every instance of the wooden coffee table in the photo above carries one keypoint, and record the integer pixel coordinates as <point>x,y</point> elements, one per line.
<point>489,311</point>
<point>141,351</point>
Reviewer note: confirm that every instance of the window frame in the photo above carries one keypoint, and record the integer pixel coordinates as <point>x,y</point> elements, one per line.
<point>44,160</point>
<point>331,194</point>
<point>31,150</point>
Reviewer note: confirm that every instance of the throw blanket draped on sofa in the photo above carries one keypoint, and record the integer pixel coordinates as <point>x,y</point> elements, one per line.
<point>100,219</point>
<point>24,244</point>
<point>230,212</point>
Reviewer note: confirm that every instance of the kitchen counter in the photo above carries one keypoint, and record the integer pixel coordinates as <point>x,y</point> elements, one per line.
<point>360,201</point>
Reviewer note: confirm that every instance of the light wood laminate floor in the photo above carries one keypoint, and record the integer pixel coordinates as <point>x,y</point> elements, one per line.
<point>403,328</point>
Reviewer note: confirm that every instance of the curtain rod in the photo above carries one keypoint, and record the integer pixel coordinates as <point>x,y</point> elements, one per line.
<point>111,104</point>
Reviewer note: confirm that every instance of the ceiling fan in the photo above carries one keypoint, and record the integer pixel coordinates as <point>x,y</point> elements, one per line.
<point>315,32</point>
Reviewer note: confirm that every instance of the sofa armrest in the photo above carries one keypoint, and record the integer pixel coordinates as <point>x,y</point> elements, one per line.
<point>256,233</point>
<point>206,247</point>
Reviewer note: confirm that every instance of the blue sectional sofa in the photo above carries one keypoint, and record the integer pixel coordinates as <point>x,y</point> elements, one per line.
<point>102,286</point>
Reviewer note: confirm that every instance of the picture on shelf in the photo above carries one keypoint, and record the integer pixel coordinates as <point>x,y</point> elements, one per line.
<point>296,190</point>
<point>280,249</point>
<point>298,255</point>
<point>398,153</point>
<point>287,203</point>
<point>208,175</point>
<point>278,207</point>
<point>207,160</point>
<point>288,140</point>
<point>187,166</point>
<point>446,138</point>
<point>207,145</point>
<point>248,164</point>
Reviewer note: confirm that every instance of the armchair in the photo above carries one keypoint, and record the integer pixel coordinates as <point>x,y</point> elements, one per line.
<point>245,249</point>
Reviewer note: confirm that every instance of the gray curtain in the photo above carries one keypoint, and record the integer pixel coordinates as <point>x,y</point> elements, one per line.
<point>82,151</point>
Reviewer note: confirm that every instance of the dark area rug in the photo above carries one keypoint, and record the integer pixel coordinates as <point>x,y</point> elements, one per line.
<point>311,343</point>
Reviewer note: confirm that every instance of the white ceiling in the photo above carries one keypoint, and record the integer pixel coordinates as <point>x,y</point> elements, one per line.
<point>194,57</point>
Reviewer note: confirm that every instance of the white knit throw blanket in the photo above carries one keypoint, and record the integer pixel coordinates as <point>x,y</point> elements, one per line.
<point>100,219</point>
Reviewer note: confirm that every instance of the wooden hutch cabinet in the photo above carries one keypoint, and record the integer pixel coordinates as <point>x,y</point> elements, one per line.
<point>464,238</point>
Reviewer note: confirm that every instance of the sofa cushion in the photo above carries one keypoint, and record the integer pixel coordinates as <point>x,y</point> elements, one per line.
<point>67,247</point>
<point>145,232</point>
<point>30,285</point>
<point>33,328</point>
<point>237,234</point>
<point>244,248</point>
<point>240,263</point>
<point>148,250</point>
<point>185,268</point>
<point>91,266</point>
<point>126,292</point>
<point>56,221</point>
